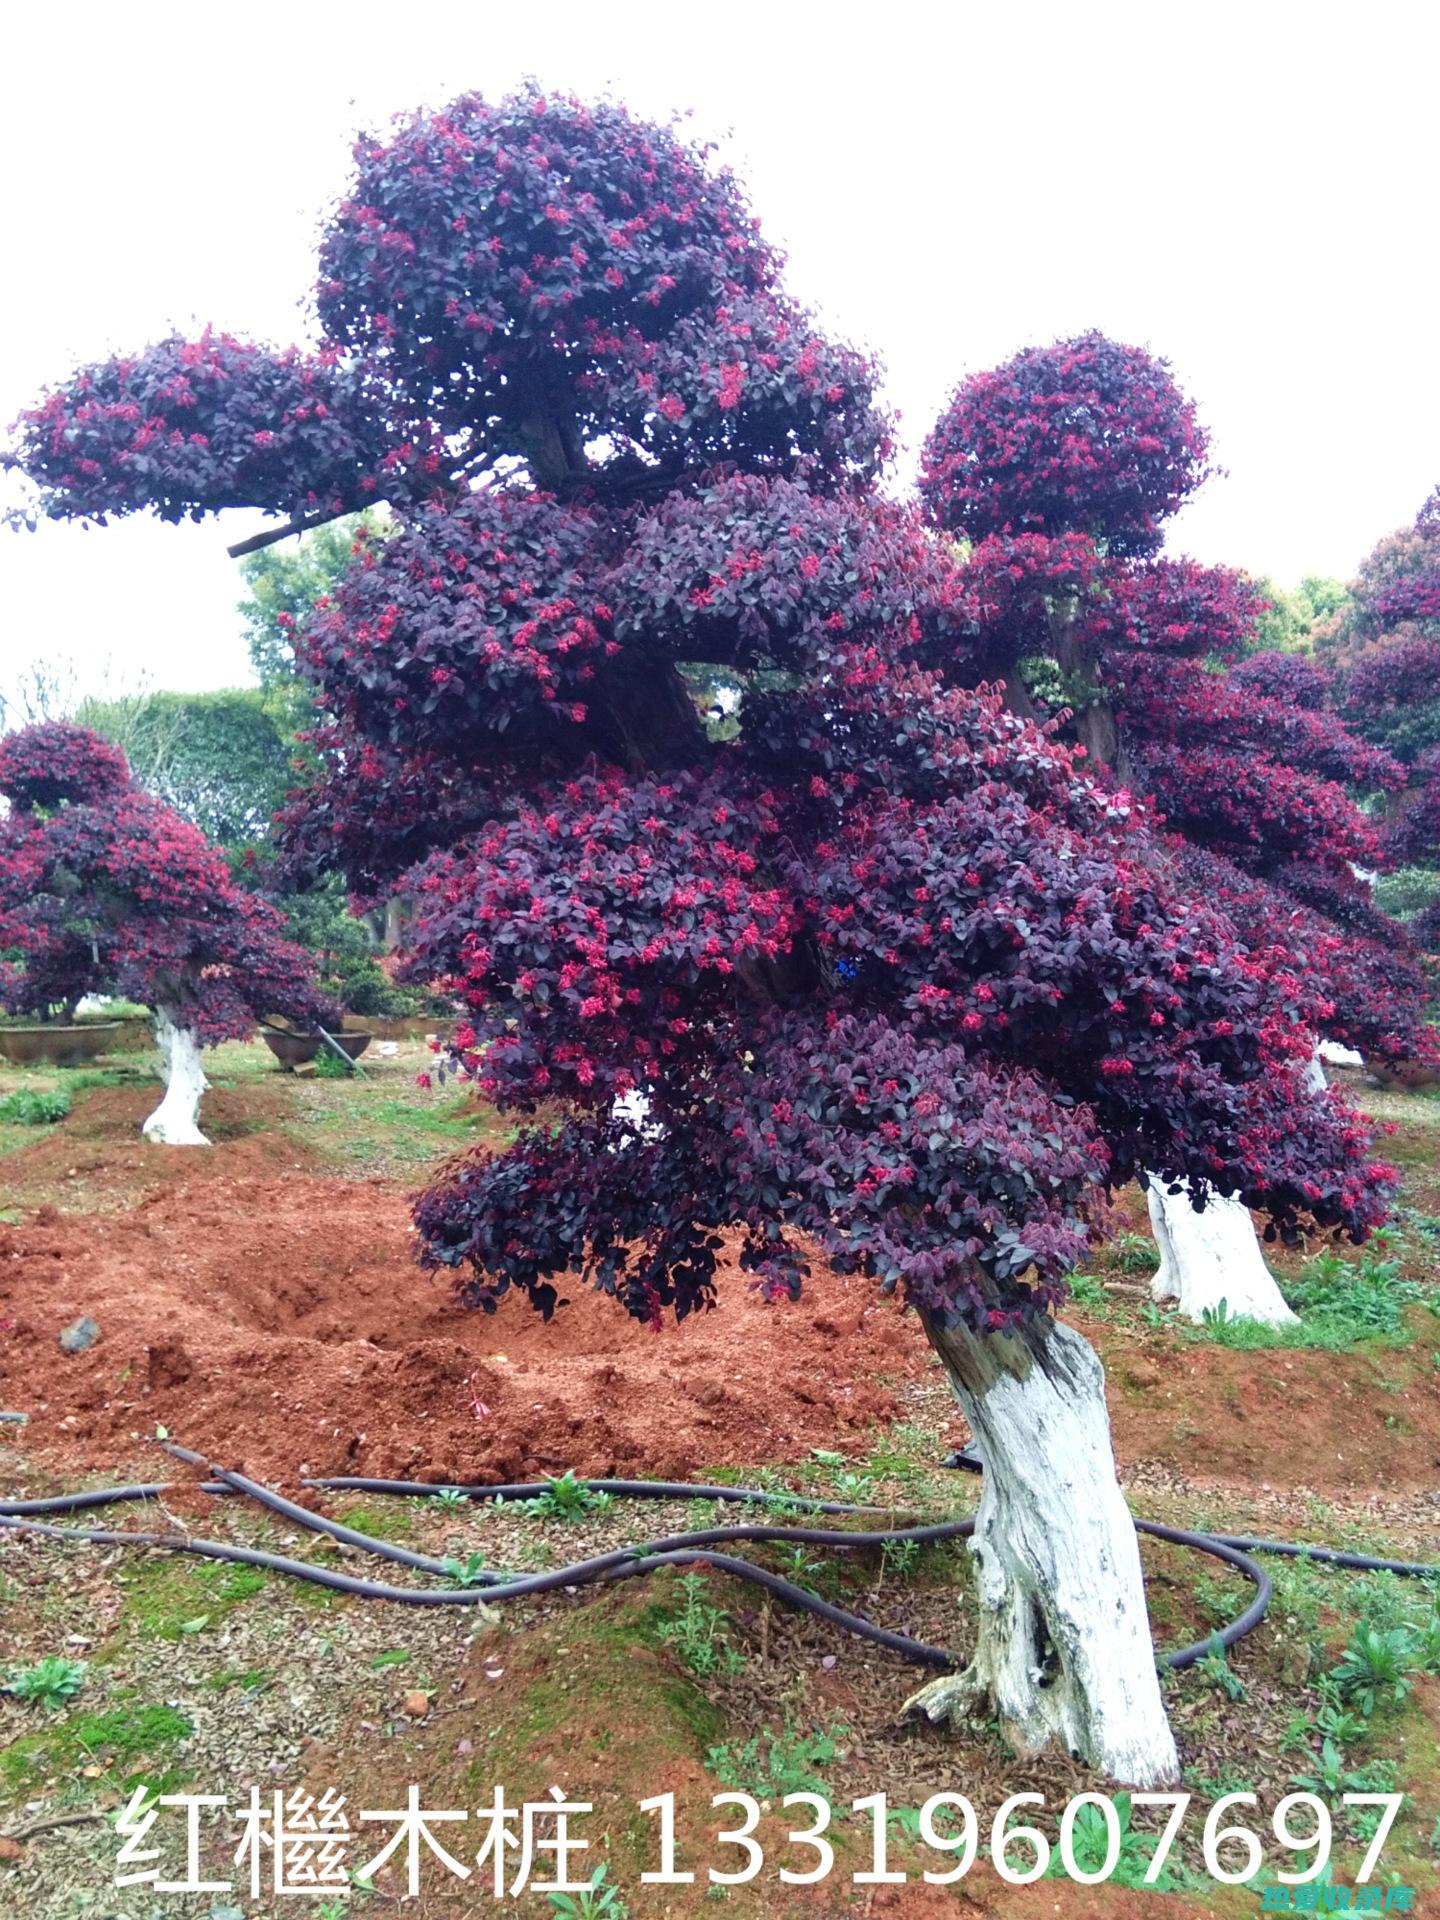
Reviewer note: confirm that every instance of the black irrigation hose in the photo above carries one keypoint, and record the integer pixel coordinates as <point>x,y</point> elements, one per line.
<point>303,1517</point>
<point>101,1497</point>
<point>1243,1623</point>
<point>620,1565</point>
<point>689,1490</point>
<point>1332,1556</point>
<point>674,1550</point>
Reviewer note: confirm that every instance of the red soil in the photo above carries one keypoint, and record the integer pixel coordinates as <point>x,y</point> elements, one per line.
<point>97,1161</point>
<point>276,1319</point>
<point>283,1322</point>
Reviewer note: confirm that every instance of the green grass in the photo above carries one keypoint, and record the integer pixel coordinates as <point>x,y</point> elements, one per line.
<point>1341,1303</point>
<point>770,1765</point>
<point>358,1122</point>
<point>29,1100</point>
<point>35,1107</point>
<point>454,1119</point>
<point>168,1600</point>
<point>249,1679</point>
<point>1088,1293</point>
<point>120,1737</point>
<point>381,1523</point>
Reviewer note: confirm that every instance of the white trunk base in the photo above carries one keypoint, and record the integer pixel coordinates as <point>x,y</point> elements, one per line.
<point>1064,1649</point>
<point>174,1123</point>
<point>1333,1054</point>
<point>1209,1257</point>
<point>1313,1078</point>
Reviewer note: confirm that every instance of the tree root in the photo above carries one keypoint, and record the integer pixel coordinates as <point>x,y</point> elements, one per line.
<point>954,1696</point>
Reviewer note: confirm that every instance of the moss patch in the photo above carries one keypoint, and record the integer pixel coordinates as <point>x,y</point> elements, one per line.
<point>167,1599</point>
<point>603,1690</point>
<point>117,1739</point>
<point>391,1522</point>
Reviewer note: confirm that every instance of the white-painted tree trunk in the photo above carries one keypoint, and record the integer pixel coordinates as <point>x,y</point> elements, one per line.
<point>1313,1078</point>
<point>1209,1257</point>
<point>1064,1649</point>
<point>1333,1054</point>
<point>175,1122</point>
<point>633,1110</point>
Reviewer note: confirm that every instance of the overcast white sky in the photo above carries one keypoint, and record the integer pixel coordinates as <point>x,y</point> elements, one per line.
<point>1247,189</point>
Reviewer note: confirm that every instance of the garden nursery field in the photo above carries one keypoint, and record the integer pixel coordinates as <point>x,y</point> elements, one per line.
<point>260,1303</point>
<point>730,1199</point>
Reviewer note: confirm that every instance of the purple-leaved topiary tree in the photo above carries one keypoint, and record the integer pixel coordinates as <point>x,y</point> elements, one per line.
<point>105,889</point>
<point>1057,472</point>
<point>866,970</point>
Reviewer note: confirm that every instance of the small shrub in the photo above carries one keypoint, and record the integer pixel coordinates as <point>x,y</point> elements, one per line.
<point>1219,1672</point>
<point>900,1557</point>
<point>1090,1843</point>
<point>699,1632</point>
<point>854,1485</point>
<point>52,1681</point>
<point>1214,1597</point>
<point>1375,1665</point>
<point>32,1107</point>
<point>888,1459</point>
<point>1377,1777</point>
<point>565,1499</point>
<point>595,1902</point>
<point>770,1765</point>
<point>1135,1252</point>
<point>1360,1299</point>
<point>1330,1776</point>
<point>1086,1291</point>
<point>1427,1644</point>
<point>1340,1303</point>
<point>797,1566</point>
<point>1335,1719</point>
<point>469,1572</point>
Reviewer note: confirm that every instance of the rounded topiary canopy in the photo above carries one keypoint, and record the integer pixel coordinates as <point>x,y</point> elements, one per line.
<point>52,762</point>
<point>891,973</point>
<point>1085,434</point>
<point>1062,466</point>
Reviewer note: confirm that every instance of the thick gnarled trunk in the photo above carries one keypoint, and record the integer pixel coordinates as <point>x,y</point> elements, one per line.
<point>1210,1257</point>
<point>175,1122</point>
<point>1064,1649</point>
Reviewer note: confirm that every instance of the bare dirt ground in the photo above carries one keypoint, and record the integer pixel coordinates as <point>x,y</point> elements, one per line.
<point>273,1314</point>
<point>260,1301</point>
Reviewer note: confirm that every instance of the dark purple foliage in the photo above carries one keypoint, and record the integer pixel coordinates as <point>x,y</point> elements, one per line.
<point>1085,435</point>
<point>881,971</point>
<point>104,889</point>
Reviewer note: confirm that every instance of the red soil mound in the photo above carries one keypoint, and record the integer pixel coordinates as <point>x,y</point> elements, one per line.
<point>284,1322</point>
<point>98,1160</point>
<point>278,1319</point>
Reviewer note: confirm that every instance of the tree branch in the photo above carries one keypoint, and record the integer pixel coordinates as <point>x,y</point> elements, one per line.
<point>467,470</point>
<point>52,1820</point>
<point>273,534</point>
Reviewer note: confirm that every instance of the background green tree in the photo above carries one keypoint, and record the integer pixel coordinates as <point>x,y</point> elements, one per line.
<point>223,759</point>
<point>1297,616</point>
<point>282,584</point>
